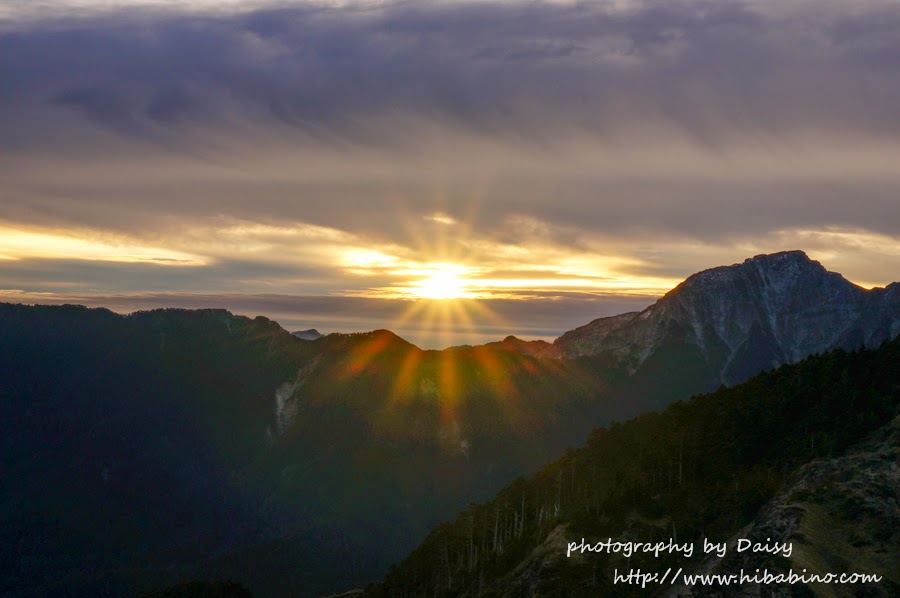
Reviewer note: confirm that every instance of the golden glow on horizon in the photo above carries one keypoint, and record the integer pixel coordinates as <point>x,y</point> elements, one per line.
<point>444,260</point>
<point>17,244</point>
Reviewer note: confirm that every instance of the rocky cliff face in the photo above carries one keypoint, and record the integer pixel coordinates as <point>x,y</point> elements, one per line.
<point>730,322</point>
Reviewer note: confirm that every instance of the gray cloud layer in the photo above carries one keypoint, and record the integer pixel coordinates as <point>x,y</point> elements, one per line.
<point>681,134</point>
<point>711,68</point>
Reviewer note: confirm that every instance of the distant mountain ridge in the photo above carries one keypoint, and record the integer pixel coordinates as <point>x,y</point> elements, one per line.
<point>308,335</point>
<point>731,322</point>
<point>535,348</point>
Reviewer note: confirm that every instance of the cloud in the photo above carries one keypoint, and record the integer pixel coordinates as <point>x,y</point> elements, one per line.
<point>352,73</point>
<point>603,143</point>
<point>299,257</point>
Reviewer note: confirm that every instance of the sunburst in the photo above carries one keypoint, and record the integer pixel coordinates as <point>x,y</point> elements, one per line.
<point>444,282</point>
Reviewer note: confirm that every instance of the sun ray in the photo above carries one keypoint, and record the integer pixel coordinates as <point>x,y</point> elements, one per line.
<point>403,387</point>
<point>496,374</point>
<point>363,354</point>
<point>448,385</point>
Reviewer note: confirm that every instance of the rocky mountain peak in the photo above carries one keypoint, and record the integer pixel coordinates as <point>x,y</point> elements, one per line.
<point>730,322</point>
<point>774,271</point>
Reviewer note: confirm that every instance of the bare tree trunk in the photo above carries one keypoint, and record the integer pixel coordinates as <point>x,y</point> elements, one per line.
<point>471,545</point>
<point>447,559</point>
<point>522,521</point>
<point>496,527</point>
<point>573,475</point>
<point>559,493</point>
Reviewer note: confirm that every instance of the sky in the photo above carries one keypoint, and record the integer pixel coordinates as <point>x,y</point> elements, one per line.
<point>454,171</point>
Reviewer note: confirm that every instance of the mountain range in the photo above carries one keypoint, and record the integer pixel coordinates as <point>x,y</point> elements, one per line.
<point>148,449</point>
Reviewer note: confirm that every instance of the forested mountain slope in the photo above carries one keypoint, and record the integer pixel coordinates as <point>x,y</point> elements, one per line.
<point>703,468</point>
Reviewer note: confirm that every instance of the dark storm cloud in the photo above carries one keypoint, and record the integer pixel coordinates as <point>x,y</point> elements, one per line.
<point>522,70</point>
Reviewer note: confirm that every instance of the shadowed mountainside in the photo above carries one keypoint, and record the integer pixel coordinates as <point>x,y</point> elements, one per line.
<point>704,468</point>
<point>143,449</point>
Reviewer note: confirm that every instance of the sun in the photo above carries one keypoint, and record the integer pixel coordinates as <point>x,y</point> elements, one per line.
<point>443,283</point>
